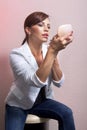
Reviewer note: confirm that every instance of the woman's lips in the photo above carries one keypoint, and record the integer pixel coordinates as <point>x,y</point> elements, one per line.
<point>45,35</point>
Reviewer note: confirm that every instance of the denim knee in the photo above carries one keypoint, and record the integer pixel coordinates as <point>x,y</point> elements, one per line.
<point>68,112</point>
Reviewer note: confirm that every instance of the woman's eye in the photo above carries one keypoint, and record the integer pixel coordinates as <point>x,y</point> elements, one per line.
<point>40,24</point>
<point>48,27</point>
<point>43,25</point>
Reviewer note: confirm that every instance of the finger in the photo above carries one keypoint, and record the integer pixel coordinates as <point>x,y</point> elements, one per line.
<point>68,36</point>
<point>65,43</point>
<point>54,38</point>
<point>71,33</point>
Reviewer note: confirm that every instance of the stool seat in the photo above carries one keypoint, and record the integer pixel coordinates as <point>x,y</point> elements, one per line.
<point>33,119</point>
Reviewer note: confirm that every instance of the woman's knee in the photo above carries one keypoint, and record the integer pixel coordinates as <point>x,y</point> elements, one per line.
<point>68,112</point>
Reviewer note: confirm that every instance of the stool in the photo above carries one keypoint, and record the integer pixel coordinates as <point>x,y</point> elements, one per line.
<point>35,122</point>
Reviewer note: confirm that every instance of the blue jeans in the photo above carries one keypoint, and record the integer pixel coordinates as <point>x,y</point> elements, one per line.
<point>15,117</point>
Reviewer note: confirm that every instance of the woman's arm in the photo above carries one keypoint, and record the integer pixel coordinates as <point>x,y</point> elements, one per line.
<point>45,68</point>
<point>56,70</point>
<point>49,62</point>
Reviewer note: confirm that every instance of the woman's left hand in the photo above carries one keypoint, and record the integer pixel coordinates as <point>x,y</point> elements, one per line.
<point>67,39</point>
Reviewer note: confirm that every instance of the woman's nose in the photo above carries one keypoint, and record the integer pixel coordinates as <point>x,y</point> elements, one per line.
<point>46,28</point>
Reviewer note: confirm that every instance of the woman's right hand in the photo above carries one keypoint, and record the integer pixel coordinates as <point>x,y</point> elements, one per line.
<point>59,43</point>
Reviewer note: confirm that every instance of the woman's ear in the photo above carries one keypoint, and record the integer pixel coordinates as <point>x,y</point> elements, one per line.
<point>27,30</point>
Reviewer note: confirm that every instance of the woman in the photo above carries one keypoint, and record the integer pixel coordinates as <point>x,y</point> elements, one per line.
<point>35,67</point>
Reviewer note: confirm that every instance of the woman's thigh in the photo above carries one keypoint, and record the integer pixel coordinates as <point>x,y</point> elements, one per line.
<point>55,110</point>
<point>14,118</point>
<point>51,109</point>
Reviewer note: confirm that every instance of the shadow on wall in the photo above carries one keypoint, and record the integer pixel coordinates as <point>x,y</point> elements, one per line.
<point>5,83</point>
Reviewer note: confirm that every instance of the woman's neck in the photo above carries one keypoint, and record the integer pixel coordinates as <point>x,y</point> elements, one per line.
<point>36,48</point>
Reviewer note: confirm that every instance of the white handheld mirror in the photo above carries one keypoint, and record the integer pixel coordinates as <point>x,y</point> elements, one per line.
<point>64,30</point>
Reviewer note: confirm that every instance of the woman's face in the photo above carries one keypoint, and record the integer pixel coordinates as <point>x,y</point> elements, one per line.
<point>40,31</point>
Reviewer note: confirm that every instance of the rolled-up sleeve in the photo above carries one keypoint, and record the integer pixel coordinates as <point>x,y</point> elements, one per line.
<point>38,82</point>
<point>60,82</point>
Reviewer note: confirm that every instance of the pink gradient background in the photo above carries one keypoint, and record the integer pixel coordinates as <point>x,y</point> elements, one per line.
<point>73,60</point>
